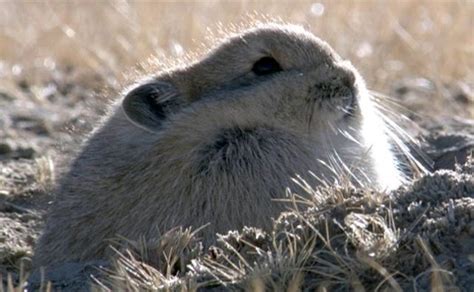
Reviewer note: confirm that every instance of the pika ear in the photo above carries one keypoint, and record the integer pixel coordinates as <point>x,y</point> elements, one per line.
<point>148,105</point>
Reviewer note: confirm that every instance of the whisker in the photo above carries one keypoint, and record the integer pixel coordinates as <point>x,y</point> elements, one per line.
<point>311,108</point>
<point>347,169</point>
<point>406,145</point>
<point>380,98</point>
<point>402,138</point>
<point>347,135</point>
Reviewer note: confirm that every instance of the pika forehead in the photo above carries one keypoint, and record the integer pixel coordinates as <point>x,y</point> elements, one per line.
<point>292,46</point>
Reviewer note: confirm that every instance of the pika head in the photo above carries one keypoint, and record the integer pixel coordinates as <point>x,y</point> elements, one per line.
<point>275,76</point>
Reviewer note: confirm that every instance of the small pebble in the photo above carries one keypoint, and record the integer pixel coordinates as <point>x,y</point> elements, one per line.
<point>470,229</point>
<point>5,148</point>
<point>27,153</point>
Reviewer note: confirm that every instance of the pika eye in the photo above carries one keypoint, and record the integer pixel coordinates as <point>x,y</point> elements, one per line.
<point>265,66</point>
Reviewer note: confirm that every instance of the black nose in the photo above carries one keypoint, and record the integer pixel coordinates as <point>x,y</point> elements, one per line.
<point>344,73</point>
<point>337,81</point>
<point>349,79</point>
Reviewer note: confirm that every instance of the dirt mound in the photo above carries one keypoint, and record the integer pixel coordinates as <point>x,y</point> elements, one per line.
<point>419,237</point>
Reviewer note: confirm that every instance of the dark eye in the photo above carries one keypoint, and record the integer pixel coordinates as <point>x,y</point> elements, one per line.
<point>265,66</point>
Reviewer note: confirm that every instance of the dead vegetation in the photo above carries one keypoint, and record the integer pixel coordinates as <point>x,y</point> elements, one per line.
<point>342,239</point>
<point>388,41</point>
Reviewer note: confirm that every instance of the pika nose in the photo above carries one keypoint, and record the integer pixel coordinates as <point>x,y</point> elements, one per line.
<point>345,70</point>
<point>349,79</point>
<point>337,81</point>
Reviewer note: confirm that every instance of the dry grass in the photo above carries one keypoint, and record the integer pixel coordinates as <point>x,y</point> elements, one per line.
<point>386,40</point>
<point>347,240</point>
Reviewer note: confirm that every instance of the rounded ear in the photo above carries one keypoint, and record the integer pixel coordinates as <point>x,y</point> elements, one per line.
<point>148,105</point>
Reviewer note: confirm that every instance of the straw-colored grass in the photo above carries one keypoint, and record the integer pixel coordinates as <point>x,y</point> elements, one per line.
<point>386,40</point>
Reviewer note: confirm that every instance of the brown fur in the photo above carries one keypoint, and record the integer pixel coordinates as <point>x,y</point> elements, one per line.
<point>214,143</point>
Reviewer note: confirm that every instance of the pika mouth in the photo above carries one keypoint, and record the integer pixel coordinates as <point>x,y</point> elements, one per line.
<point>350,108</point>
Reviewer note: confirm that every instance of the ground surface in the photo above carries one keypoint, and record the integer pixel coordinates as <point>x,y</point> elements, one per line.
<point>42,121</point>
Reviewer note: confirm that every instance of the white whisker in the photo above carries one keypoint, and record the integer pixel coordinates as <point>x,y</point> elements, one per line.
<point>404,142</point>
<point>347,135</point>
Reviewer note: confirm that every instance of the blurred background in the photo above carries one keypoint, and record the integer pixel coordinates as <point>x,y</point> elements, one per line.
<point>419,52</point>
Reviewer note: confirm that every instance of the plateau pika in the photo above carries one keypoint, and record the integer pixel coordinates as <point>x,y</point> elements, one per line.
<point>216,142</point>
